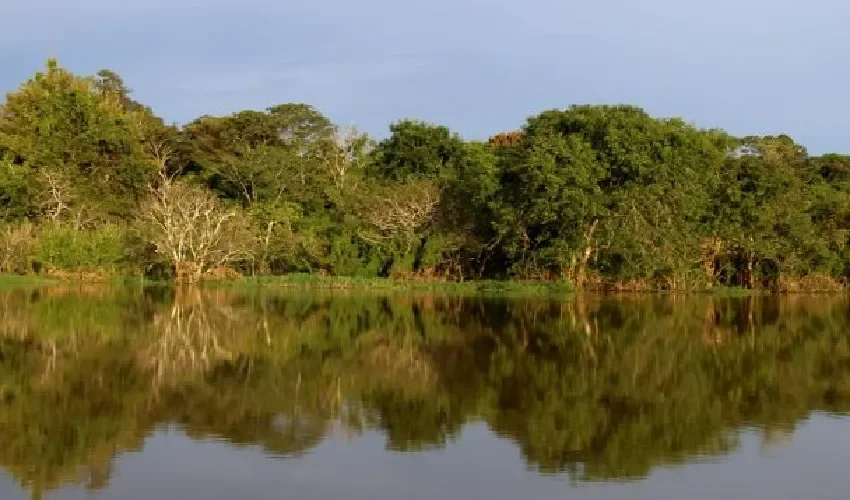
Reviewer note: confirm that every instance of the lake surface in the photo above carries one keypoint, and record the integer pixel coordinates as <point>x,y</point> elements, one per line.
<point>132,393</point>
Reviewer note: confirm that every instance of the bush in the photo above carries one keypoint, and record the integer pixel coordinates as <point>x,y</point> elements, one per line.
<point>69,249</point>
<point>16,243</point>
<point>350,256</point>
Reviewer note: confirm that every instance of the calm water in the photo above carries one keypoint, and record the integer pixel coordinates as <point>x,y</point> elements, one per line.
<point>213,394</point>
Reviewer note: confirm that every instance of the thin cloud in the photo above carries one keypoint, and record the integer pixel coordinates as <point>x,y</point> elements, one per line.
<point>748,65</point>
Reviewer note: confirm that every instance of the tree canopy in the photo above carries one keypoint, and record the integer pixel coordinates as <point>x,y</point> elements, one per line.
<point>603,196</point>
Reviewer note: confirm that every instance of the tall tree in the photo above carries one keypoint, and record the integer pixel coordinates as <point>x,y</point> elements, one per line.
<point>67,131</point>
<point>415,149</point>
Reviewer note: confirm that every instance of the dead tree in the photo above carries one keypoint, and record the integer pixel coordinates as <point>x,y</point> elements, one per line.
<point>402,211</point>
<point>191,228</point>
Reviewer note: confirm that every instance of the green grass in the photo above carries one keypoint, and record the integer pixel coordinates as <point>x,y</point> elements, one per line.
<point>484,287</point>
<point>732,291</point>
<point>112,279</point>
<point>15,280</point>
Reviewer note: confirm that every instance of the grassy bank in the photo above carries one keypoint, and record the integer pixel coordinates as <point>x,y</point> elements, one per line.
<point>483,287</point>
<point>10,280</point>
<point>520,288</point>
<point>733,291</point>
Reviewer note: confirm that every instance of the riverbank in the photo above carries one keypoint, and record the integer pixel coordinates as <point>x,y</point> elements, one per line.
<point>541,288</point>
<point>15,280</point>
<point>475,287</point>
<point>316,282</point>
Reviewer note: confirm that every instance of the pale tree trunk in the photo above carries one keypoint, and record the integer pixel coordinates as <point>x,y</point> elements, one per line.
<point>580,271</point>
<point>194,231</point>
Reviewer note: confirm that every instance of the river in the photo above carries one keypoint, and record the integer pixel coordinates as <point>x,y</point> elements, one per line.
<point>196,394</point>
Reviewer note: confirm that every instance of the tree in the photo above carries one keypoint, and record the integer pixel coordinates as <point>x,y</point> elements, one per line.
<point>605,187</point>
<point>828,185</point>
<point>402,212</point>
<point>219,143</point>
<point>287,166</point>
<point>415,150</point>
<point>345,155</point>
<point>551,200</point>
<point>604,196</point>
<point>762,214</point>
<point>58,124</point>
<point>191,228</point>
<point>17,190</point>
<point>421,154</point>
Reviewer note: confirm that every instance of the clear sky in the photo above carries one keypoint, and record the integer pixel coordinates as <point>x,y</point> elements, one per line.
<point>478,66</point>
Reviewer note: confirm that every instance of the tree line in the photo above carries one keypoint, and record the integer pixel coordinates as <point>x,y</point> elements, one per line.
<point>93,182</point>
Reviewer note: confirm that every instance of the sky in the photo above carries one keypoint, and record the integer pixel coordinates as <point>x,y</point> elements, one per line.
<point>477,66</point>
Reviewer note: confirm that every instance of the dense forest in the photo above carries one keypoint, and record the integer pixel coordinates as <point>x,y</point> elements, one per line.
<point>93,183</point>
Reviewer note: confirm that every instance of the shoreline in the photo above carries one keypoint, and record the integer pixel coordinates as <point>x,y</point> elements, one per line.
<point>295,281</point>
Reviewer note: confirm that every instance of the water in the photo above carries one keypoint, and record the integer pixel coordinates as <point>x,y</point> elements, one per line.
<point>129,393</point>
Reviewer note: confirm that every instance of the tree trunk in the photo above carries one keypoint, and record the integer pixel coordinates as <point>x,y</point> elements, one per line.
<point>584,258</point>
<point>188,272</point>
<point>749,274</point>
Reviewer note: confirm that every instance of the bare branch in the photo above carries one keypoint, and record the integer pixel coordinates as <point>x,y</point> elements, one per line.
<point>190,227</point>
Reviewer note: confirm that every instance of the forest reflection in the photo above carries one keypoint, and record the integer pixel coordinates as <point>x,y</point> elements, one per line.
<point>594,387</point>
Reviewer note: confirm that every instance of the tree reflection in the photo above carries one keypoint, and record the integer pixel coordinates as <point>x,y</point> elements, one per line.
<point>595,387</point>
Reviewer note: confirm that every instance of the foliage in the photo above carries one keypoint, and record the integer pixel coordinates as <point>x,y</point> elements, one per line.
<point>16,243</point>
<point>415,150</point>
<point>601,196</point>
<point>191,229</point>
<point>66,248</point>
<point>81,147</point>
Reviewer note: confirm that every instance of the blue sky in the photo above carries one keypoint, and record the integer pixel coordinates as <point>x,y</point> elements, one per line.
<point>478,66</point>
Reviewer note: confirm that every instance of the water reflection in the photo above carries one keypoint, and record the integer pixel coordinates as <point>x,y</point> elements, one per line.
<point>595,388</point>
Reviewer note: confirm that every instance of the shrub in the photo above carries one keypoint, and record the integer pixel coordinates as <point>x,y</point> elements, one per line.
<point>69,249</point>
<point>16,242</point>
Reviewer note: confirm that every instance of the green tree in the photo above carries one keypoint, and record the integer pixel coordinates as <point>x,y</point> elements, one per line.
<point>605,189</point>
<point>82,147</point>
<point>763,214</point>
<point>415,149</point>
